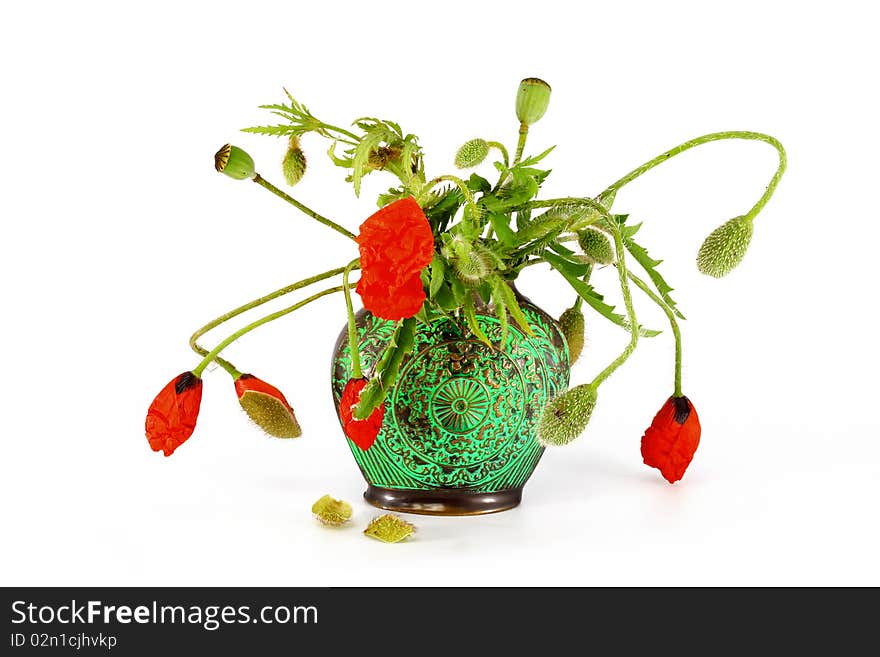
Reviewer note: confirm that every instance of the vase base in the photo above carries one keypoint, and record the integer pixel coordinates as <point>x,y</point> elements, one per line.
<point>443,502</point>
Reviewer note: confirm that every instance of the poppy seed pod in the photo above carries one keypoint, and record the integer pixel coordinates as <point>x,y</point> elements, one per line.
<point>267,407</point>
<point>294,163</point>
<point>471,153</point>
<point>725,247</point>
<point>234,162</point>
<point>572,324</point>
<point>565,417</point>
<point>596,247</point>
<point>532,99</point>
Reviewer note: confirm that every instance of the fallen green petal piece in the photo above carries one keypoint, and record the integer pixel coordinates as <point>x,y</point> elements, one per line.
<point>331,511</point>
<point>389,528</point>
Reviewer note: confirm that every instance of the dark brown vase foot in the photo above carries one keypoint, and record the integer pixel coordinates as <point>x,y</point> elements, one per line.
<point>443,502</point>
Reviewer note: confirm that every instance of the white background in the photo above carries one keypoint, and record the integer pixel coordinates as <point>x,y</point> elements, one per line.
<point>119,239</point>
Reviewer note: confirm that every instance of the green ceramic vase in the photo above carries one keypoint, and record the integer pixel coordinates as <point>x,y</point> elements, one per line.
<point>458,437</point>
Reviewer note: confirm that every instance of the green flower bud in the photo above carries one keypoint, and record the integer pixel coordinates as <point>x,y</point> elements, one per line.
<point>725,247</point>
<point>471,153</point>
<point>294,164</point>
<point>270,414</point>
<point>389,528</point>
<point>532,99</point>
<point>234,162</point>
<point>472,263</point>
<point>565,417</point>
<point>331,511</point>
<point>596,247</point>
<point>551,221</point>
<point>572,324</point>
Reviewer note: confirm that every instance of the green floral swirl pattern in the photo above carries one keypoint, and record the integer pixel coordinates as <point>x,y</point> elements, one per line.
<point>462,414</point>
<point>460,404</point>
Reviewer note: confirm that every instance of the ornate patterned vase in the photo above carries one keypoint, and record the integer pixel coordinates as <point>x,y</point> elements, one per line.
<point>458,436</point>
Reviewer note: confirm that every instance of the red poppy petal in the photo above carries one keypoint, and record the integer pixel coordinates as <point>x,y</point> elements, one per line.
<point>389,301</point>
<point>672,439</point>
<point>396,244</point>
<point>361,432</point>
<point>250,383</point>
<point>171,418</point>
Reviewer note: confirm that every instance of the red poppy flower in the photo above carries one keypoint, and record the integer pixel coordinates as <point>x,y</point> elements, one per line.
<point>673,437</point>
<point>396,244</point>
<point>267,407</point>
<point>171,418</point>
<point>361,432</point>
<point>390,302</point>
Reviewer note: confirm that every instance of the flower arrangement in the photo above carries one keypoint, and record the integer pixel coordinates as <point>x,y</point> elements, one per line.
<point>449,246</point>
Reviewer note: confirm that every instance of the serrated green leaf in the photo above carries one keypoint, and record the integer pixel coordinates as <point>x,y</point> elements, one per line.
<point>470,316</point>
<point>370,141</point>
<point>501,226</point>
<point>387,370</point>
<point>501,314</point>
<point>594,299</point>
<point>571,267</point>
<point>438,272</point>
<point>503,290</point>
<point>345,162</point>
<point>459,291</point>
<point>640,254</point>
<point>477,183</point>
<point>534,159</point>
<point>561,249</point>
<point>272,130</point>
<point>445,298</point>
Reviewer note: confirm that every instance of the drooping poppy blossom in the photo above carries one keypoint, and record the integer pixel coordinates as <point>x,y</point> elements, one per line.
<point>673,437</point>
<point>396,244</point>
<point>267,407</point>
<point>361,432</point>
<point>171,418</point>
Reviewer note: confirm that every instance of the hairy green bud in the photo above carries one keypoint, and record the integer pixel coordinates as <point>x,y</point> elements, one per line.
<point>389,528</point>
<point>331,511</point>
<point>472,263</point>
<point>294,163</point>
<point>471,153</point>
<point>532,99</point>
<point>725,247</point>
<point>572,324</point>
<point>596,247</point>
<point>234,162</point>
<point>270,414</point>
<point>554,220</point>
<point>565,417</point>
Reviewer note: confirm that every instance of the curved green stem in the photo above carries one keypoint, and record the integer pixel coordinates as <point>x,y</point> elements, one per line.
<point>211,355</point>
<point>521,142</point>
<point>225,364</point>
<point>299,206</point>
<point>630,311</point>
<point>644,287</point>
<point>705,139</point>
<point>356,372</point>
<point>498,145</point>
